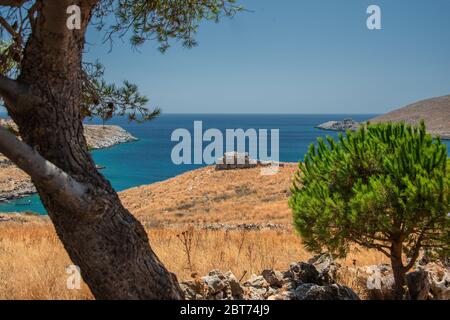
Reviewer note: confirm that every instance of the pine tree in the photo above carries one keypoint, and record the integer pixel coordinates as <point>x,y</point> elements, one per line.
<point>384,187</point>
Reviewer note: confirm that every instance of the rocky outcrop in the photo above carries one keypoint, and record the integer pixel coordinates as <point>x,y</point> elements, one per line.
<point>310,291</point>
<point>439,278</point>
<point>15,184</point>
<point>317,280</point>
<point>326,266</point>
<point>342,125</point>
<point>20,189</point>
<point>241,226</point>
<point>379,281</point>
<point>24,217</point>
<point>100,137</point>
<point>97,136</point>
<point>428,282</point>
<point>215,286</point>
<point>303,281</point>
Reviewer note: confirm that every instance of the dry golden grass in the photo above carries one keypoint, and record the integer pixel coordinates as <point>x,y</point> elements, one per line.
<point>33,262</point>
<point>207,196</point>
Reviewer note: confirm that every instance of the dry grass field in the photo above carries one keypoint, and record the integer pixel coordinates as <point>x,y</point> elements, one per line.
<point>33,262</point>
<point>207,196</point>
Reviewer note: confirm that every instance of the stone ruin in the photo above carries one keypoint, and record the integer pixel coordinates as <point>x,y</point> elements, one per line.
<point>236,160</point>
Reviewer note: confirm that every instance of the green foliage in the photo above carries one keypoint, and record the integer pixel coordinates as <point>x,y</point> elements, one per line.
<point>384,183</point>
<point>161,20</point>
<point>8,62</point>
<point>139,20</point>
<point>104,100</point>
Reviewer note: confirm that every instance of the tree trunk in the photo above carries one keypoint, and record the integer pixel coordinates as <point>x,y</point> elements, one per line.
<point>398,270</point>
<point>108,244</point>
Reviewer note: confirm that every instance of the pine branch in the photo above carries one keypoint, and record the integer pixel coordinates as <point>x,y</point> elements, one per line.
<point>8,28</point>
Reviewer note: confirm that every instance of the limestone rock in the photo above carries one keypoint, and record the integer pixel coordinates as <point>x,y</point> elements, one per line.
<point>274,278</point>
<point>326,266</point>
<point>310,291</point>
<point>439,277</point>
<point>215,286</point>
<point>235,286</point>
<point>193,289</point>
<point>346,124</point>
<point>215,282</point>
<point>256,288</point>
<point>302,272</point>
<point>379,281</point>
<point>98,137</point>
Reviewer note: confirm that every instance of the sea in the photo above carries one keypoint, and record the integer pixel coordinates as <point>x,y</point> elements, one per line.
<point>149,159</point>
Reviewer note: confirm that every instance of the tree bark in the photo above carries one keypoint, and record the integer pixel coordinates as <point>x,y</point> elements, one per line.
<point>398,270</point>
<point>108,244</point>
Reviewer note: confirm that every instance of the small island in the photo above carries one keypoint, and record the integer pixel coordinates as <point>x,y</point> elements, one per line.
<point>341,125</point>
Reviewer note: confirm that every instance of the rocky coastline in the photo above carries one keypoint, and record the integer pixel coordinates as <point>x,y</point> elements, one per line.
<point>101,137</point>
<point>341,125</point>
<point>15,184</point>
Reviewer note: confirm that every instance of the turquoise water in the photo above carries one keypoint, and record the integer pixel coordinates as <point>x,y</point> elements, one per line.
<point>149,159</point>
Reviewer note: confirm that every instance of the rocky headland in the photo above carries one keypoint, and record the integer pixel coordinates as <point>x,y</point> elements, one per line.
<point>100,137</point>
<point>341,125</point>
<point>435,112</point>
<point>14,183</point>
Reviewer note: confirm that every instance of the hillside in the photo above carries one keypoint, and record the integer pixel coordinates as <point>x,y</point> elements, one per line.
<point>435,112</point>
<point>236,220</point>
<point>212,199</point>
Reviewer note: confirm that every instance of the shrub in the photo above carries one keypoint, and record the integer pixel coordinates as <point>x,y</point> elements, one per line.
<point>384,187</point>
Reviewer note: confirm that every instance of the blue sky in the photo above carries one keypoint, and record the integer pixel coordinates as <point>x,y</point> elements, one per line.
<point>296,56</point>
